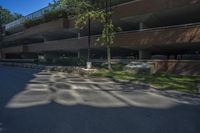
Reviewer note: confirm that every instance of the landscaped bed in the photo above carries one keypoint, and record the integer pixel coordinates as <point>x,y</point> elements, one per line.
<point>160,81</point>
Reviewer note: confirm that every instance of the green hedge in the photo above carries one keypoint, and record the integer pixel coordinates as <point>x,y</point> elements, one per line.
<point>53,15</point>
<point>70,62</point>
<point>49,16</point>
<point>31,23</point>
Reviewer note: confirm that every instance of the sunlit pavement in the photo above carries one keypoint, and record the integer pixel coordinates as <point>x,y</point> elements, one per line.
<point>34,101</point>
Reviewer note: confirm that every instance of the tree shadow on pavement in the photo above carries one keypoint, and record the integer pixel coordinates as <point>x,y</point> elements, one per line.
<point>40,102</point>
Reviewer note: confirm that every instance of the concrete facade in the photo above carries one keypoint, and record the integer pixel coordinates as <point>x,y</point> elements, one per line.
<point>185,67</point>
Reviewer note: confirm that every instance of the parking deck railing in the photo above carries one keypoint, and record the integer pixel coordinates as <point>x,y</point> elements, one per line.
<point>33,16</point>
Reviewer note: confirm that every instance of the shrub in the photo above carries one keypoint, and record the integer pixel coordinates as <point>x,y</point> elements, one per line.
<point>31,23</point>
<point>48,16</point>
<point>70,61</point>
<point>115,66</point>
<point>53,15</point>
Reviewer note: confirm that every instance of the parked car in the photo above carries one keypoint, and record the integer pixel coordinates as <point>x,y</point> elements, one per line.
<point>138,67</point>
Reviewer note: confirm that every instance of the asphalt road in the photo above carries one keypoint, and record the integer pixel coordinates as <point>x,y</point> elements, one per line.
<point>34,101</point>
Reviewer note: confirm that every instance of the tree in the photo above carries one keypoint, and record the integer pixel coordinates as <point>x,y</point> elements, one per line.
<point>98,11</point>
<point>5,17</point>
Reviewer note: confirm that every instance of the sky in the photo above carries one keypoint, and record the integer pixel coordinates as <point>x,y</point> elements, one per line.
<point>24,7</point>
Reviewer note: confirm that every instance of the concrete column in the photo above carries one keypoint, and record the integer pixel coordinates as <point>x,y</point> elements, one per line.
<point>79,35</point>
<point>52,55</point>
<point>79,54</point>
<point>2,55</point>
<point>42,57</point>
<point>44,38</point>
<point>145,54</point>
<point>142,26</point>
<point>82,54</point>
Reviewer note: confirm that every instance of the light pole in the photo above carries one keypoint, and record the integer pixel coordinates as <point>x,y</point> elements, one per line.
<point>89,63</point>
<point>89,38</point>
<point>1,36</point>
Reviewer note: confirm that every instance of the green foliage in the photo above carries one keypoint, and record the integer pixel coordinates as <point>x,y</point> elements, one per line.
<point>108,34</point>
<point>55,14</point>
<point>76,6</point>
<point>97,11</point>
<point>72,61</point>
<point>49,16</point>
<point>94,10</point>
<point>115,66</point>
<point>31,23</point>
<point>16,16</point>
<point>82,19</point>
<point>159,81</point>
<point>6,16</point>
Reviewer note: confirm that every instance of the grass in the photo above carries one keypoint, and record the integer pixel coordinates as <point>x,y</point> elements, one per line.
<point>186,84</point>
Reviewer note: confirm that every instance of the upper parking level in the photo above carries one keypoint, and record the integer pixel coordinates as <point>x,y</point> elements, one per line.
<point>139,7</point>
<point>127,14</point>
<point>121,8</point>
<point>33,16</point>
<point>40,13</point>
<point>179,37</point>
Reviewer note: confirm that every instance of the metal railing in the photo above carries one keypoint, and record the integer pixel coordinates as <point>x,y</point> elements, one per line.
<point>33,16</point>
<point>38,14</point>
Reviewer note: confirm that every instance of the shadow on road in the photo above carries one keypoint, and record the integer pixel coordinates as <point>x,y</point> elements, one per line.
<point>39,102</point>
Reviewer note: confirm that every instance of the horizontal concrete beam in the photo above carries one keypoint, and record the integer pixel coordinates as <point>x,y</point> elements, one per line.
<point>16,49</point>
<point>140,7</point>
<point>181,36</point>
<point>129,9</point>
<point>160,37</point>
<point>181,67</point>
<point>41,29</point>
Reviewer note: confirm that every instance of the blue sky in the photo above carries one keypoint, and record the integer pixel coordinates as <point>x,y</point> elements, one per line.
<point>24,7</point>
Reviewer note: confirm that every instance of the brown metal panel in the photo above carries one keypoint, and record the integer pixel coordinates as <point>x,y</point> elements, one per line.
<point>51,26</point>
<point>179,36</point>
<point>150,6</point>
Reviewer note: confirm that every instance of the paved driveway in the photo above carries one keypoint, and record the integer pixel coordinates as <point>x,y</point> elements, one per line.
<point>34,101</point>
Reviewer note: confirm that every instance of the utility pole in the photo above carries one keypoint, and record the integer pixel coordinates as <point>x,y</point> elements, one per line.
<point>89,63</point>
<point>89,38</point>
<point>1,36</point>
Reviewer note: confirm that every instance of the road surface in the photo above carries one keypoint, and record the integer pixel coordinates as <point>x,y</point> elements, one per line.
<point>33,101</point>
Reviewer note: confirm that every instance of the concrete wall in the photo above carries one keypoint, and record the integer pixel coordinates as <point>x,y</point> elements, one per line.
<point>140,7</point>
<point>179,67</point>
<point>155,38</point>
<point>11,50</point>
<point>133,8</point>
<point>1,54</point>
<point>51,26</point>
<point>160,37</point>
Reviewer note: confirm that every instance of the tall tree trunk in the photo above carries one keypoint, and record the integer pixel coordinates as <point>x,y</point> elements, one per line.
<point>89,38</point>
<point>109,57</point>
<point>108,17</point>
